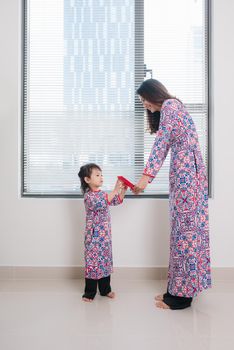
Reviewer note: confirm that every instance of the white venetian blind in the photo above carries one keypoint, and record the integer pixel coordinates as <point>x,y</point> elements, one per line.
<point>176,52</point>
<point>83,60</point>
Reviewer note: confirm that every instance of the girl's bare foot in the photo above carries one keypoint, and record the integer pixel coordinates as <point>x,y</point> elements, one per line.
<point>160,304</point>
<point>87,300</point>
<point>111,295</point>
<point>159,297</point>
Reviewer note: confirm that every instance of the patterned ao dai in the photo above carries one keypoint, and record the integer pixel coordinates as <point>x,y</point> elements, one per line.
<point>189,265</point>
<point>98,243</point>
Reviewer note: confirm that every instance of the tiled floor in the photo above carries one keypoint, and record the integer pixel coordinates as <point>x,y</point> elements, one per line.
<point>46,315</point>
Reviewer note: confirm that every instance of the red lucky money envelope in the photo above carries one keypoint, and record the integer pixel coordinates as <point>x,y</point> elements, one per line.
<point>126,182</point>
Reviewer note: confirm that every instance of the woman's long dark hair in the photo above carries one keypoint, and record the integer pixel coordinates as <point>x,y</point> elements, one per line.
<point>155,92</point>
<point>86,171</point>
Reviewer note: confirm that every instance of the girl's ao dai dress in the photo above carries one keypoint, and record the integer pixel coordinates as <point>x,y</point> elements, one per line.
<point>98,243</point>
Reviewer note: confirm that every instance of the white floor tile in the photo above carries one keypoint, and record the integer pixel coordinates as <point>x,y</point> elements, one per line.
<point>41,315</point>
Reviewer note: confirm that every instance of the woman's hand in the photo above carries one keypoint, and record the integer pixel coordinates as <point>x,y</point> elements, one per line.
<point>141,185</point>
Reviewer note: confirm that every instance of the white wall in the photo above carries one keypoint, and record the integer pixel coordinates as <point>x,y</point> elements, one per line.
<point>48,232</point>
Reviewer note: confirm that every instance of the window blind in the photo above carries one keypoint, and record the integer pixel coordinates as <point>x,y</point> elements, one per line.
<point>83,60</point>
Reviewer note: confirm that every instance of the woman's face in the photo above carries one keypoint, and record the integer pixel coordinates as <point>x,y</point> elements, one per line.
<point>149,105</point>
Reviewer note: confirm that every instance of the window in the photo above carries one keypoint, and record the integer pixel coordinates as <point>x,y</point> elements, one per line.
<point>83,60</point>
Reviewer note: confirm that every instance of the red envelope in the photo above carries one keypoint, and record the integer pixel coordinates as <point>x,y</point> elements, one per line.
<point>126,182</point>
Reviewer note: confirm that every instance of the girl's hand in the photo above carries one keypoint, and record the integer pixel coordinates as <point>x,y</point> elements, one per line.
<point>123,191</point>
<point>141,185</point>
<point>118,186</point>
<point>115,191</point>
<point>119,189</point>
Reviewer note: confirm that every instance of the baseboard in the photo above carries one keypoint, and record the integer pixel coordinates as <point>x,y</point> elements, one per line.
<point>77,272</point>
<point>41,272</point>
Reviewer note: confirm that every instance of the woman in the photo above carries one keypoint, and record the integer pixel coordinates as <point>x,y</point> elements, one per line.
<point>189,265</point>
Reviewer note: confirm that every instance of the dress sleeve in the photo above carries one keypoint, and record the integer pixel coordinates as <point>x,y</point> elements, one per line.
<point>115,201</point>
<point>94,201</point>
<point>161,144</point>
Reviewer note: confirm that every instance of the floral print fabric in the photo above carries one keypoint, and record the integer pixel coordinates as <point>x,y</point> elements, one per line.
<point>189,265</point>
<point>98,244</point>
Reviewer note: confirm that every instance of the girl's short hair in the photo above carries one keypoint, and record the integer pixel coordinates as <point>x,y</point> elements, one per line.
<point>86,171</point>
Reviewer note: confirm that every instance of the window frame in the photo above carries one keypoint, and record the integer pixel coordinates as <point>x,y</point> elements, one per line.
<point>139,6</point>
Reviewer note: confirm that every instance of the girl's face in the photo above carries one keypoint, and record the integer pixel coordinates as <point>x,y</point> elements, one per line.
<point>149,105</point>
<point>95,180</point>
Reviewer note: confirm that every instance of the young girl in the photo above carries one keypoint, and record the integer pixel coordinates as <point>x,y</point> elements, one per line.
<point>98,245</point>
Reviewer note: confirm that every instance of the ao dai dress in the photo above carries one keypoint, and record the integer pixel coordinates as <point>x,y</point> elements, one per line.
<point>189,265</point>
<point>98,243</point>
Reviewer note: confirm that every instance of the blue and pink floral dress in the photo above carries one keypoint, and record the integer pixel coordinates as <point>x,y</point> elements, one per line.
<point>98,243</point>
<point>189,266</point>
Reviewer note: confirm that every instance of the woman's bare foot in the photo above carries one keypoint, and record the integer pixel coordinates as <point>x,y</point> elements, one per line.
<point>87,300</point>
<point>160,304</point>
<point>111,295</point>
<point>159,297</point>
